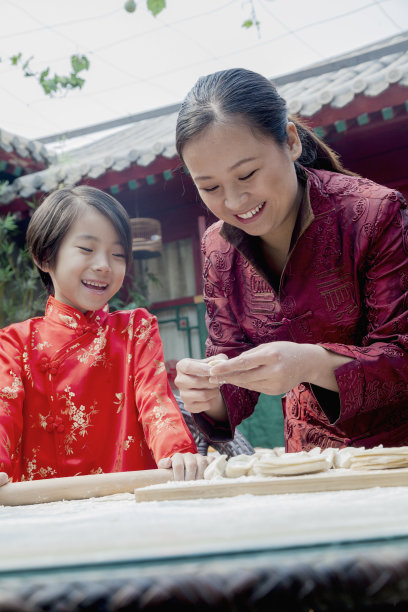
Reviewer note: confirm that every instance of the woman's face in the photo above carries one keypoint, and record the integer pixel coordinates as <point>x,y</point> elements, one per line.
<point>247,179</point>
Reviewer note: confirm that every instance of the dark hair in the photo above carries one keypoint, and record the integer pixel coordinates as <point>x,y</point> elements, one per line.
<point>254,100</point>
<point>54,217</point>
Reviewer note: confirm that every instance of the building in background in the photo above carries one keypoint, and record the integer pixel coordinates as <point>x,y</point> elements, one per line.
<point>358,103</point>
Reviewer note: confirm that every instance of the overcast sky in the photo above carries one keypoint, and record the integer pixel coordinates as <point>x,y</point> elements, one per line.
<point>139,62</point>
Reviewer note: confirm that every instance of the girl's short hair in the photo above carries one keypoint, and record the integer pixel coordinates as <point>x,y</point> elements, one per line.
<point>53,218</point>
<point>246,96</point>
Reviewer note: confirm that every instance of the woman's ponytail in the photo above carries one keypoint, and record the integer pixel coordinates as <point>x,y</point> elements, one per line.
<point>316,153</point>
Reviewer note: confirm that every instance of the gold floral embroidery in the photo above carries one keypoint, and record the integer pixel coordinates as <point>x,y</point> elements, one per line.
<point>43,420</point>
<point>160,421</point>
<point>17,451</point>
<point>120,401</point>
<point>95,351</point>
<point>32,470</point>
<point>129,328</point>
<point>27,367</point>
<point>122,446</point>
<point>129,440</point>
<point>5,442</point>
<point>159,365</point>
<point>80,417</point>
<point>144,332</point>
<point>16,386</point>
<point>5,408</point>
<point>31,464</point>
<point>39,346</point>
<point>98,470</point>
<point>68,320</point>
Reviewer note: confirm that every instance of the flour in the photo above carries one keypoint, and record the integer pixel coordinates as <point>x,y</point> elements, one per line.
<point>116,528</point>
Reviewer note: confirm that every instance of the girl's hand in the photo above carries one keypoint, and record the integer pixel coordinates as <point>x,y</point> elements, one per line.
<point>196,390</point>
<point>186,466</point>
<point>276,367</point>
<point>3,478</point>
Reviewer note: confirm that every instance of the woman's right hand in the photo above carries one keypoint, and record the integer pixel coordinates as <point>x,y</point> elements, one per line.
<point>3,478</point>
<point>196,391</point>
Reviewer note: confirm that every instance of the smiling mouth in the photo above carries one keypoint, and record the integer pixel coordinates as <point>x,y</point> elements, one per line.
<point>251,213</point>
<point>95,285</point>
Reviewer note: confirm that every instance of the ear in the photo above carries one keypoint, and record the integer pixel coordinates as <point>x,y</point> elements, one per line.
<point>294,144</point>
<point>44,267</point>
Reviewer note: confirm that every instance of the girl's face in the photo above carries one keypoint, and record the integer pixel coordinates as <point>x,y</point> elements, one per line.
<point>247,179</point>
<point>91,264</point>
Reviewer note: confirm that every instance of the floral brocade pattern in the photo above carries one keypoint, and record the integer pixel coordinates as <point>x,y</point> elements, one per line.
<point>85,394</point>
<point>344,286</point>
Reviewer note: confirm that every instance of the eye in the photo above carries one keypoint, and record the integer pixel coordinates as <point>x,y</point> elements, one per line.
<point>119,255</point>
<point>209,189</point>
<point>244,178</point>
<point>85,249</point>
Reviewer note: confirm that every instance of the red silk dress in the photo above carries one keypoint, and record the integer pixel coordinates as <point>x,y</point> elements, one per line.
<point>85,394</point>
<point>345,287</point>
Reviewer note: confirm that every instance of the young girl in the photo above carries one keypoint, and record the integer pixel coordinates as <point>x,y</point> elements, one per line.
<point>82,390</point>
<point>305,275</point>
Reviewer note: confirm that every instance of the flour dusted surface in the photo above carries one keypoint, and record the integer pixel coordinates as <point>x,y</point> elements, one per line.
<point>116,528</point>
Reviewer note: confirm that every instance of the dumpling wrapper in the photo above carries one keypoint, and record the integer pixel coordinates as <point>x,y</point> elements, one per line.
<point>216,468</point>
<point>290,464</point>
<point>239,465</point>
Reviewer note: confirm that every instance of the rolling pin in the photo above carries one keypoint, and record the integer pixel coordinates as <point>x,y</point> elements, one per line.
<point>79,487</point>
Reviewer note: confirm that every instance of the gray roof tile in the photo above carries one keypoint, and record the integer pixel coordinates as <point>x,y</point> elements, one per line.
<point>334,83</point>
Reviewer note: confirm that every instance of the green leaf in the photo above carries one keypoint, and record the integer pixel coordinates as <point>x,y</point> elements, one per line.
<point>156,6</point>
<point>15,59</point>
<point>79,62</point>
<point>49,85</point>
<point>247,24</point>
<point>44,74</point>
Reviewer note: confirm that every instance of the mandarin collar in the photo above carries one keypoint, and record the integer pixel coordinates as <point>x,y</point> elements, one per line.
<point>72,318</point>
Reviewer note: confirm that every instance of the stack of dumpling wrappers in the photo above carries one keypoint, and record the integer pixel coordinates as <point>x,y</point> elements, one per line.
<point>275,462</point>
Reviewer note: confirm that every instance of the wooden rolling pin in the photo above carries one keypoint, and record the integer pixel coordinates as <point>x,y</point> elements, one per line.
<point>79,487</point>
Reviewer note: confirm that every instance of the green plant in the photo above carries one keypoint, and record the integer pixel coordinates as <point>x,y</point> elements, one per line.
<point>134,294</point>
<point>21,295</point>
<point>54,84</point>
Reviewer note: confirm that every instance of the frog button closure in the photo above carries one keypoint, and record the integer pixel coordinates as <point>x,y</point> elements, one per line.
<point>46,365</point>
<point>54,424</point>
<point>93,329</point>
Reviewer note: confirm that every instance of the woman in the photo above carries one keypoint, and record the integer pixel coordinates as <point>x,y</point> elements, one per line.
<point>305,275</point>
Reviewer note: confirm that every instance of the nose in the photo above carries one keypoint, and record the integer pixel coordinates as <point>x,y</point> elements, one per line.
<point>236,199</point>
<point>101,262</point>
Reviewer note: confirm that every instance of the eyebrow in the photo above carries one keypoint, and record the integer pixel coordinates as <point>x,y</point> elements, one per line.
<point>90,237</point>
<point>233,167</point>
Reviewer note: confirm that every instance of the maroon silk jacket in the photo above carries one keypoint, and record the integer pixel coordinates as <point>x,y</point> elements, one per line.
<point>345,287</point>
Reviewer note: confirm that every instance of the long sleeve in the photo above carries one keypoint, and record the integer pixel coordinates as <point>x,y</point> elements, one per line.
<point>164,428</point>
<point>11,401</point>
<point>378,374</point>
<point>224,336</point>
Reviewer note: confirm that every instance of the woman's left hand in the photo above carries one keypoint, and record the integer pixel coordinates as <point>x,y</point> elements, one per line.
<point>186,466</point>
<point>273,368</point>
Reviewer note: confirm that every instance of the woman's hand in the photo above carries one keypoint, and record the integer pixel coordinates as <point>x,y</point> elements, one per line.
<point>276,367</point>
<point>186,466</point>
<point>3,478</point>
<point>196,390</point>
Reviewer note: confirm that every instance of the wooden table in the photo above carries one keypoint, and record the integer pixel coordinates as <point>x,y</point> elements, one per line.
<point>329,550</point>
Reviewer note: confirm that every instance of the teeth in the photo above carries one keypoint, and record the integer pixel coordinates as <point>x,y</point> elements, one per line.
<point>251,213</point>
<point>95,284</point>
